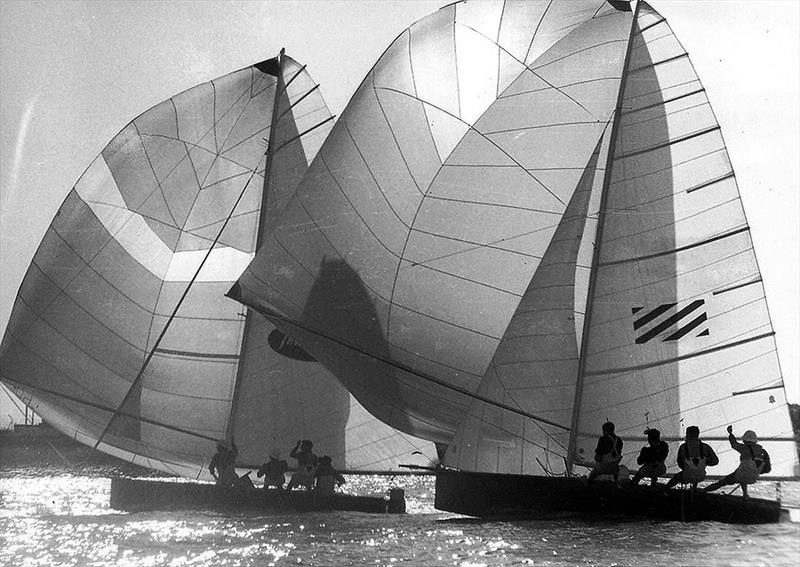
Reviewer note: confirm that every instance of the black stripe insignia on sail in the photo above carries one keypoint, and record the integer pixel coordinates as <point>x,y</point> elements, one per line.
<point>664,319</point>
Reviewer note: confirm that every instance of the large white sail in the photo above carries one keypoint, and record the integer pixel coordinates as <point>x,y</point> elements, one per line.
<point>84,346</point>
<point>407,248</point>
<point>678,329</point>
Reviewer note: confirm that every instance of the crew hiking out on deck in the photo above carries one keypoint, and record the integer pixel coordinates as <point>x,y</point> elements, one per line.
<point>273,471</point>
<point>693,458</point>
<point>223,464</point>
<point>651,458</point>
<point>608,454</point>
<point>753,460</point>
<point>327,476</point>
<point>306,465</point>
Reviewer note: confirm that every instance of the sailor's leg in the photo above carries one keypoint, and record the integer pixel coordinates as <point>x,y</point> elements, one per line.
<point>721,482</point>
<point>676,478</point>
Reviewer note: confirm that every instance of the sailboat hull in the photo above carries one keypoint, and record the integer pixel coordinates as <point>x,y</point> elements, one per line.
<point>137,495</point>
<point>490,495</point>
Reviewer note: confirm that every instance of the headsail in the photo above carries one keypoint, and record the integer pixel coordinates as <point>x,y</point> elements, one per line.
<point>123,249</point>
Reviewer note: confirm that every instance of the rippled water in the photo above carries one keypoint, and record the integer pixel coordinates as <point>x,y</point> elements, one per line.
<point>66,520</point>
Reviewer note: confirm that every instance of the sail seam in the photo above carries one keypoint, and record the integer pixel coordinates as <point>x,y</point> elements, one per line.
<point>657,171</point>
<point>696,380</point>
<point>570,54</point>
<point>354,208</point>
<point>71,380</point>
<point>710,182</point>
<point>396,142</point>
<point>676,250</point>
<point>537,126</point>
<point>652,25</point>
<point>301,134</point>
<point>741,285</point>
<point>482,135</point>
<point>158,181</point>
<point>236,121</point>
<point>298,101</point>
<point>200,148</point>
<point>756,390</point>
<point>289,82</point>
<point>409,370</point>
<point>196,354</point>
<point>680,358</point>
<point>634,211</point>
<point>111,410</point>
<point>661,91</point>
<point>565,85</point>
<point>424,264</point>
<point>535,31</point>
<point>668,143</point>
<point>492,204</point>
<point>663,102</point>
<point>477,245</point>
<point>663,117</point>
<point>77,384</point>
<point>657,63</point>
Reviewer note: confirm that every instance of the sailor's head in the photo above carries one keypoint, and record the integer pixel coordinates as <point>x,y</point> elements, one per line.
<point>325,459</point>
<point>750,436</point>
<point>275,454</point>
<point>692,432</point>
<point>653,435</point>
<point>306,445</point>
<point>608,427</point>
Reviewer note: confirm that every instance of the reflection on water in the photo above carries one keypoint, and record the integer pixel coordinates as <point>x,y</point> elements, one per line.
<point>66,520</point>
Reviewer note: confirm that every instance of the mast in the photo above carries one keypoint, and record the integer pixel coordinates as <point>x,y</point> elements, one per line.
<point>573,432</point>
<point>259,238</point>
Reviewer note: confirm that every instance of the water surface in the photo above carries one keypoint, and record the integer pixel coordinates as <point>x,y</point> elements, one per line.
<point>64,519</point>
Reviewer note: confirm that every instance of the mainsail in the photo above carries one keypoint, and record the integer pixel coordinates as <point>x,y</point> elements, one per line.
<point>523,224</point>
<point>121,335</point>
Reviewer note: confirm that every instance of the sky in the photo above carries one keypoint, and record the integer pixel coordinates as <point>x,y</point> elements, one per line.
<point>73,73</point>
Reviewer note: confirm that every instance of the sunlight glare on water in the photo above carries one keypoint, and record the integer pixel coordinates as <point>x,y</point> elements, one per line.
<point>66,520</point>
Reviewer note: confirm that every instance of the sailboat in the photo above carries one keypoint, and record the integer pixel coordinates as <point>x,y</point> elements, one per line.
<point>121,336</point>
<point>526,223</point>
